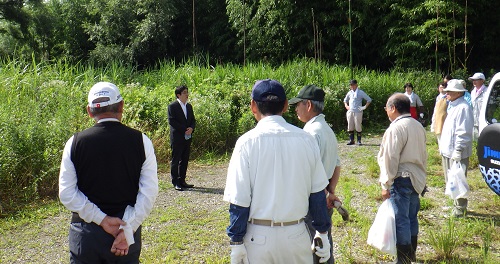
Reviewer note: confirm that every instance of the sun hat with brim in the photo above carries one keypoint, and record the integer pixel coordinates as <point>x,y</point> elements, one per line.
<point>309,92</point>
<point>455,85</point>
<point>477,76</point>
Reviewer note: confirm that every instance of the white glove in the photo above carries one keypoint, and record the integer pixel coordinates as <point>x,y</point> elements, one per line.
<point>456,156</point>
<point>421,115</point>
<point>239,254</point>
<point>362,108</point>
<point>322,252</point>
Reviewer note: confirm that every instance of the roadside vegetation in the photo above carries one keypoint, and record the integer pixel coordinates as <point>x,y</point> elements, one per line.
<point>43,104</point>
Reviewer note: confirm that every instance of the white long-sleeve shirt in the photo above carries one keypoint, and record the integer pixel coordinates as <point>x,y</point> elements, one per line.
<point>273,170</point>
<point>74,200</point>
<point>457,129</point>
<point>403,151</point>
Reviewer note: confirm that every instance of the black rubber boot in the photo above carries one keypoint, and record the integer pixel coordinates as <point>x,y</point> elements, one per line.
<point>404,253</point>
<point>351,138</point>
<point>359,138</point>
<point>413,256</point>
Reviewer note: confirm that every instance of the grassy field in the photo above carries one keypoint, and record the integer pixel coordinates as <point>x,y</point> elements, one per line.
<point>189,227</point>
<point>44,104</point>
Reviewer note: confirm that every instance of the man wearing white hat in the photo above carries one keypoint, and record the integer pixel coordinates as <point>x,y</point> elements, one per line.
<point>456,136</point>
<point>108,180</point>
<point>477,99</point>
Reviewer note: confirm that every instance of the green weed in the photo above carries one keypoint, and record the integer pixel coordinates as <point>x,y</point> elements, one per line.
<point>445,241</point>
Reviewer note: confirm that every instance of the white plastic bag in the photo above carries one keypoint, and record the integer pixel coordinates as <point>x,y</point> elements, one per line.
<point>456,185</point>
<point>382,234</point>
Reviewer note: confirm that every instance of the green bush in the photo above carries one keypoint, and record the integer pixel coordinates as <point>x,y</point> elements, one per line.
<point>45,103</point>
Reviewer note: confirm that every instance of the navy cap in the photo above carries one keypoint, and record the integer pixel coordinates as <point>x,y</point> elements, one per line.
<point>262,88</point>
<point>353,81</point>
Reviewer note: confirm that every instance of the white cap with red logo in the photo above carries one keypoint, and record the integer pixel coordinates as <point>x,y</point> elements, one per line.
<point>104,94</point>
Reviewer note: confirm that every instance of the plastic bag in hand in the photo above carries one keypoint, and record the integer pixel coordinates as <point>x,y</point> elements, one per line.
<point>382,233</point>
<point>456,184</point>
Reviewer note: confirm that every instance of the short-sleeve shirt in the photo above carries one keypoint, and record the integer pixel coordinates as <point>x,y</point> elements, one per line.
<point>327,142</point>
<point>355,99</point>
<point>273,170</point>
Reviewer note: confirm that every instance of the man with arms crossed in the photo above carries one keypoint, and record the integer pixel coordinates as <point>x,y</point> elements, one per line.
<point>275,176</point>
<point>108,180</point>
<point>477,99</point>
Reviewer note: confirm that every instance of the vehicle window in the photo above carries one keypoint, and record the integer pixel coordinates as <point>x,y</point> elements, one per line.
<point>493,107</point>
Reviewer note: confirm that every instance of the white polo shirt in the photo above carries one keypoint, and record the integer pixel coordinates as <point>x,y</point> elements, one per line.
<point>328,146</point>
<point>273,170</point>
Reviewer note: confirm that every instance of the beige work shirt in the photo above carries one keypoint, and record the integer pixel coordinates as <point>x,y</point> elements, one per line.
<point>403,153</point>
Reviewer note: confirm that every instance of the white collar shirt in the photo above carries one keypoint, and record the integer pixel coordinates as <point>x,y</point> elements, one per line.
<point>74,200</point>
<point>183,106</point>
<point>273,170</point>
<point>327,142</point>
<point>477,92</point>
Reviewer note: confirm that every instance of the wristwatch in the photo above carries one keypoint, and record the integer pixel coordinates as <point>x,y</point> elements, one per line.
<point>235,243</point>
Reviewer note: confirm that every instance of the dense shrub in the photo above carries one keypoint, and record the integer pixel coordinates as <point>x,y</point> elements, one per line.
<point>44,104</point>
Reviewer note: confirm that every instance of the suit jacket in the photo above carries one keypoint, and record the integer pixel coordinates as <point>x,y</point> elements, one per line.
<point>178,122</point>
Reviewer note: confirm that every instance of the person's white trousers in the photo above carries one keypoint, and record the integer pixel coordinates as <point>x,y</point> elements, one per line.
<point>288,244</point>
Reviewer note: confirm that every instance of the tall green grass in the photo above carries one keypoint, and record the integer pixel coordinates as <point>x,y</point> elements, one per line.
<point>44,104</point>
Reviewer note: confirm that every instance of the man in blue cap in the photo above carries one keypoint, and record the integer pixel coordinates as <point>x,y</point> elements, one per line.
<point>275,176</point>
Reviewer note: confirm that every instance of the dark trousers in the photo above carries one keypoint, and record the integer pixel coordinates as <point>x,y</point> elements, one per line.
<point>180,159</point>
<point>90,244</point>
<point>312,233</point>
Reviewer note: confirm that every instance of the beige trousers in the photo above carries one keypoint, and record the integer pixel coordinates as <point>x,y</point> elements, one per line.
<point>354,121</point>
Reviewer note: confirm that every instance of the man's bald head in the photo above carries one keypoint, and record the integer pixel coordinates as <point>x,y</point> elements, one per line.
<point>401,102</point>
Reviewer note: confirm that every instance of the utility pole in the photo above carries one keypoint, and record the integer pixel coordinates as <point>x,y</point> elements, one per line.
<point>194,31</point>
<point>350,42</point>
<point>244,34</point>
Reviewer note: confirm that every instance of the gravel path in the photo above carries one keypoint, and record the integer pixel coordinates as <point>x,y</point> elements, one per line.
<point>46,241</point>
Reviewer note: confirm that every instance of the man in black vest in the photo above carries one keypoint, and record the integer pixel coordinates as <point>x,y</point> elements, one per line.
<point>108,179</point>
<point>182,123</point>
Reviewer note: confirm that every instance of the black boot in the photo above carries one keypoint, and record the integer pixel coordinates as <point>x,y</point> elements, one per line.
<point>351,138</point>
<point>185,184</point>
<point>359,138</point>
<point>404,253</point>
<point>413,256</point>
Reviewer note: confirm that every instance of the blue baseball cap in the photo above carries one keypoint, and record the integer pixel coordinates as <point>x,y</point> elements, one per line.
<point>262,88</point>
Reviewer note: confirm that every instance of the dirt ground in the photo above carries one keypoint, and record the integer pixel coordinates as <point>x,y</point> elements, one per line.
<point>46,242</point>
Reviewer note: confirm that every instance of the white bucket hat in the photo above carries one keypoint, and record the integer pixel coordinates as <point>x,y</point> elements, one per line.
<point>455,85</point>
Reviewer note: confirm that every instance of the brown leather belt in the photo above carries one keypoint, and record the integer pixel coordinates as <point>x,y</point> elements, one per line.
<point>271,223</point>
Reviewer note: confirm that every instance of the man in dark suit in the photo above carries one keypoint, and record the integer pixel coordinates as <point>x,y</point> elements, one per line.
<point>182,123</point>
